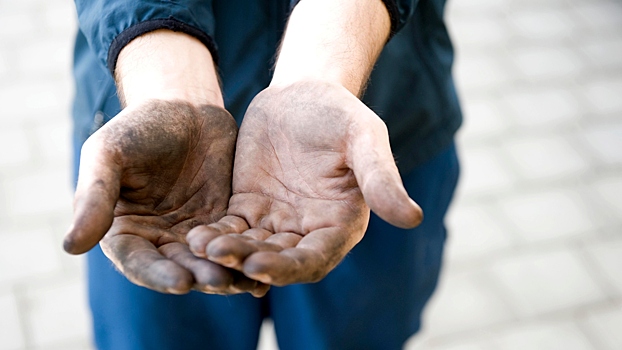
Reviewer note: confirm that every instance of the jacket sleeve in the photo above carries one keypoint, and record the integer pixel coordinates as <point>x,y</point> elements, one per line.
<point>109,25</point>
<point>400,12</point>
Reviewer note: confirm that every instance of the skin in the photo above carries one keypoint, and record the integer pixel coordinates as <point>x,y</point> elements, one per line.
<point>146,178</point>
<point>159,168</point>
<point>310,158</point>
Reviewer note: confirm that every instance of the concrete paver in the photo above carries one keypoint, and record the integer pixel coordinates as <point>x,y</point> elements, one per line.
<point>57,314</point>
<point>476,233</point>
<point>607,256</point>
<point>543,336</point>
<point>545,215</point>
<point>10,331</point>
<point>545,157</point>
<point>537,283</point>
<point>541,107</point>
<point>605,327</point>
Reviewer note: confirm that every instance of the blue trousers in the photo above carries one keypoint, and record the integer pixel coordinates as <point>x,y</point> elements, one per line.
<point>372,300</point>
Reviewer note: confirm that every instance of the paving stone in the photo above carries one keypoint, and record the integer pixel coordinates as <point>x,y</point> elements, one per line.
<point>34,100</point>
<point>546,215</point>
<point>455,345</point>
<point>540,107</point>
<point>538,24</point>
<point>605,140</point>
<point>464,302</point>
<point>599,15</point>
<point>545,157</point>
<point>478,6</point>
<point>44,58</point>
<point>12,22</point>
<point>608,257</point>
<point>19,6</point>
<point>3,66</point>
<point>27,254</point>
<point>483,172</point>
<point>61,16</point>
<point>53,141</point>
<point>47,191</point>
<point>482,118</point>
<point>544,62</point>
<point>542,282</point>
<point>473,232</point>
<point>14,147</point>
<point>605,326</point>
<point>478,31</point>
<point>604,53</point>
<point>605,95</point>
<point>58,314</point>
<point>542,336</point>
<point>536,4</point>
<point>80,344</point>
<point>11,335</point>
<point>610,189</point>
<point>478,71</point>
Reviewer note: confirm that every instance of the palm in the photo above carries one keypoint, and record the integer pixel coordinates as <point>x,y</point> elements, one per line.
<point>164,168</point>
<point>299,183</point>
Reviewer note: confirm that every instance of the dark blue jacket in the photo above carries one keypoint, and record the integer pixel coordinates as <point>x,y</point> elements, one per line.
<point>411,87</point>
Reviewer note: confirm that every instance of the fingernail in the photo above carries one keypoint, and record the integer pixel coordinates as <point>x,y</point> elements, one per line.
<point>261,277</point>
<point>174,291</point>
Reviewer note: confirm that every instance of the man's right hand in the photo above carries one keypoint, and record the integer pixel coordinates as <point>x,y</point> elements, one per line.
<point>146,178</point>
<point>159,168</point>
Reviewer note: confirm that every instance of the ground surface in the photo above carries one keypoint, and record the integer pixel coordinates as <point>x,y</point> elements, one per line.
<point>536,231</point>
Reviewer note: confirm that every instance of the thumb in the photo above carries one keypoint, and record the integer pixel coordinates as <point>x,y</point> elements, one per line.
<point>370,158</point>
<point>95,198</point>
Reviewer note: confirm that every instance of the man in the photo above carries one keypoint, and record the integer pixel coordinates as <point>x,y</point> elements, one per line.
<point>155,182</point>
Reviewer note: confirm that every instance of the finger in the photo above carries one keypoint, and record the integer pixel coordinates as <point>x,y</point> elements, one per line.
<point>287,267</point>
<point>261,290</point>
<point>284,239</point>
<point>313,257</point>
<point>141,262</point>
<point>199,237</point>
<point>370,157</point>
<point>255,288</point>
<point>95,198</point>
<point>210,277</point>
<point>231,250</point>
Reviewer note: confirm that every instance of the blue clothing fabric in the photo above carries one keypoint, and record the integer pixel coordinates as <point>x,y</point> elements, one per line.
<point>411,87</point>
<point>109,25</point>
<point>372,300</point>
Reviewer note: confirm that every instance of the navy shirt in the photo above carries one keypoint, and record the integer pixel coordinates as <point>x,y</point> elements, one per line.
<point>411,87</point>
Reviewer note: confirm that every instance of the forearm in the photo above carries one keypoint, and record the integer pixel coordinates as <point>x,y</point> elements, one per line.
<point>167,65</point>
<point>333,41</point>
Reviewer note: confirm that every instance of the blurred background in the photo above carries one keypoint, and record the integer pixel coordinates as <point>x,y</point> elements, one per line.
<point>534,258</point>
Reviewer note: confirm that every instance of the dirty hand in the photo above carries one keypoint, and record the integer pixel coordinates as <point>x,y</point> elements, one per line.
<point>311,160</point>
<point>146,178</point>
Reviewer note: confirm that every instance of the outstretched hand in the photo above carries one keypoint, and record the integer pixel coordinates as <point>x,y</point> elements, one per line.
<point>146,178</point>
<point>311,160</point>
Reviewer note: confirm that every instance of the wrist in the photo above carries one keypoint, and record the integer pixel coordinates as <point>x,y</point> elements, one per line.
<point>332,41</point>
<point>167,65</point>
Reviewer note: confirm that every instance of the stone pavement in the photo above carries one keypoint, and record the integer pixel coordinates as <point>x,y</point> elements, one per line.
<point>534,259</point>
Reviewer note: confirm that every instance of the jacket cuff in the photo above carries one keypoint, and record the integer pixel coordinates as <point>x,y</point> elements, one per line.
<point>394,14</point>
<point>131,33</point>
